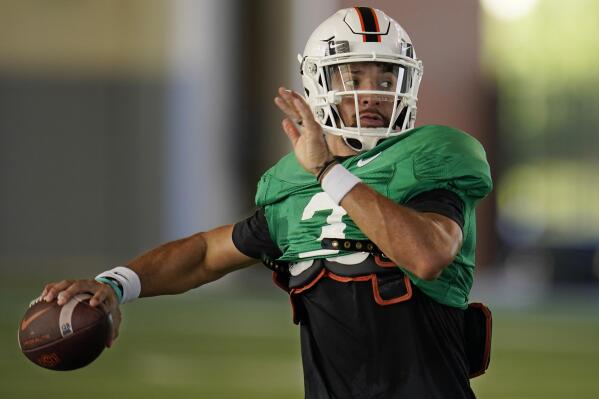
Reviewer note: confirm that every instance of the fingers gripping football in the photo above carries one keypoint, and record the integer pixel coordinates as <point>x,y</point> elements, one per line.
<point>308,140</point>
<point>103,295</point>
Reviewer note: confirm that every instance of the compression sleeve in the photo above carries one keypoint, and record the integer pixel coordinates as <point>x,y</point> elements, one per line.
<point>251,237</point>
<point>443,202</point>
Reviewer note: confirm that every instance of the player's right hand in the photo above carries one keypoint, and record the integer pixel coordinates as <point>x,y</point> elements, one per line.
<point>308,140</point>
<point>103,295</point>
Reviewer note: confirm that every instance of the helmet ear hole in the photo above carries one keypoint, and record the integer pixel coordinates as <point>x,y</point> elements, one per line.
<point>355,144</point>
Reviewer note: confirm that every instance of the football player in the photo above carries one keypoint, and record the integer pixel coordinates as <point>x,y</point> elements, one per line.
<point>369,224</point>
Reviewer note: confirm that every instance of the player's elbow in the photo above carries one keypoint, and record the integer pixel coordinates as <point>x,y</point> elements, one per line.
<point>431,266</point>
<point>426,264</point>
<point>428,271</point>
<point>440,252</point>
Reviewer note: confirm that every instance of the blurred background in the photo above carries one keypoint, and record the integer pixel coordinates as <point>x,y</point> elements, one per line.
<point>127,123</point>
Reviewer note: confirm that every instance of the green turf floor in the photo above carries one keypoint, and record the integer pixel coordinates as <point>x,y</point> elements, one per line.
<point>214,346</point>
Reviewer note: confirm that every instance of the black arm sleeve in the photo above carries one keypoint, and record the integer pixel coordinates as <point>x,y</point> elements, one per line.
<point>251,237</point>
<point>443,202</point>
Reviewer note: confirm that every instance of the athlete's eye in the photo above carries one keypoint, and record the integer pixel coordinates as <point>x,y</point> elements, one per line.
<point>387,81</point>
<point>350,83</point>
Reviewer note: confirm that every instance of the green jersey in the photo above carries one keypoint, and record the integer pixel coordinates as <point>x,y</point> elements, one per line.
<point>300,214</point>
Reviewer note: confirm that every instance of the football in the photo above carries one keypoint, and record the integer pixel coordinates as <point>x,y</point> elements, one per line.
<point>64,337</point>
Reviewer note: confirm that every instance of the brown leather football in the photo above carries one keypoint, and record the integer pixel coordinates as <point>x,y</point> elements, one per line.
<point>64,337</point>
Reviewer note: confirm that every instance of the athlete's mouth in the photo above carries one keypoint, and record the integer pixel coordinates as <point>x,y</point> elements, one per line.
<point>371,119</point>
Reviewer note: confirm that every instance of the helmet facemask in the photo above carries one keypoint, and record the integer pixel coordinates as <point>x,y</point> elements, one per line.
<point>370,101</point>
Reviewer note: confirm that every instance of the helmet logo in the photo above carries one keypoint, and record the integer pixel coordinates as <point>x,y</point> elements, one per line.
<point>337,47</point>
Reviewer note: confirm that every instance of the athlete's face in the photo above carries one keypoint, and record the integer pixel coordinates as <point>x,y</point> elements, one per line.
<point>375,110</point>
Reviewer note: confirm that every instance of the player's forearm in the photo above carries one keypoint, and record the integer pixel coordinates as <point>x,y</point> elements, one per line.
<point>419,242</point>
<point>181,265</point>
<point>173,267</point>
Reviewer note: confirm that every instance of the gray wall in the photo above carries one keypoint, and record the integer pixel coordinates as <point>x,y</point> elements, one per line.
<point>80,165</point>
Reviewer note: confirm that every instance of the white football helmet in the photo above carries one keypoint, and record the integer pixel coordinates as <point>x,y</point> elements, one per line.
<point>350,40</point>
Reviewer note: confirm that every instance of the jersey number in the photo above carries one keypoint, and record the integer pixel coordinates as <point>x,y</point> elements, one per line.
<point>334,227</point>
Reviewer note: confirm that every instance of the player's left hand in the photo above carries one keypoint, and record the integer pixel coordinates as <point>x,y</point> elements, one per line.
<point>308,140</point>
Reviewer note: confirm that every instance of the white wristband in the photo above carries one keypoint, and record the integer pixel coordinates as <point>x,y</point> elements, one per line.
<point>128,279</point>
<point>338,182</point>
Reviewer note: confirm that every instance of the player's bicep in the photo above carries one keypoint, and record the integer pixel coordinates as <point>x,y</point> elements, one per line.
<point>252,237</point>
<point>233,247</point>
<point>444,210</point>
<point>440,201</point>
<point>449,227</point>
<point>222,256</point>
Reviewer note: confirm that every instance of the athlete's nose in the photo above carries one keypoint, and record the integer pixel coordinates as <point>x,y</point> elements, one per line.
<point>368,99</point>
